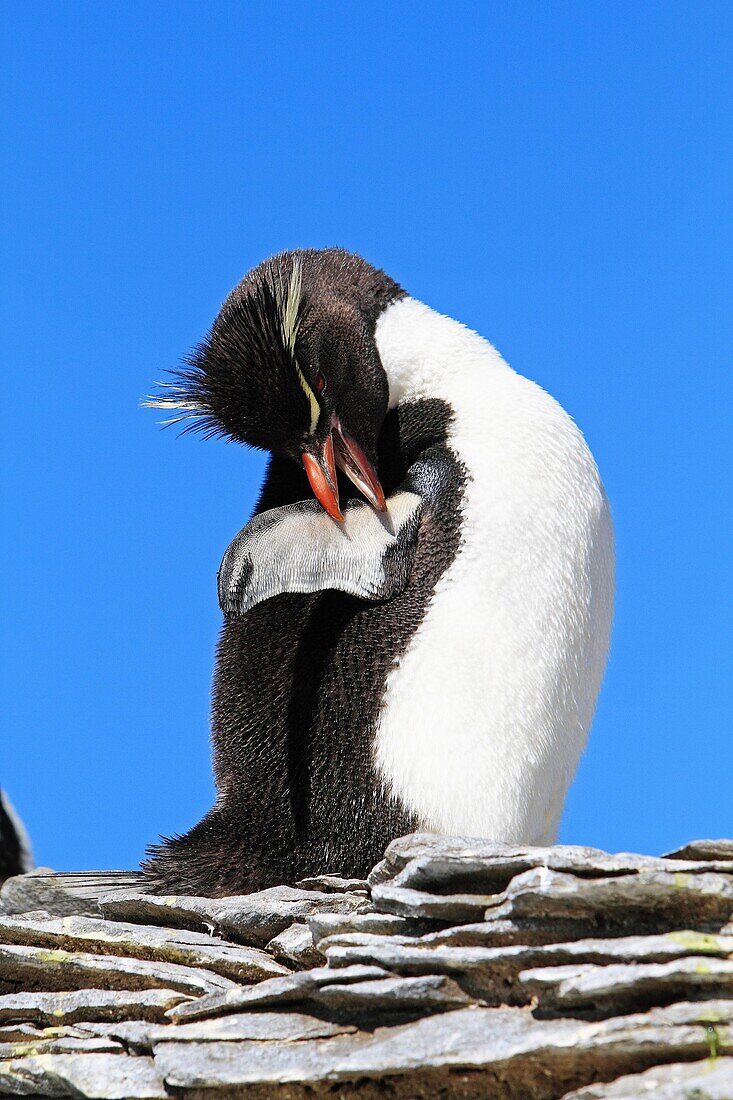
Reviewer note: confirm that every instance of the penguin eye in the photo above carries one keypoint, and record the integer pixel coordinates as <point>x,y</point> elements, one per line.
<point>320,383</point>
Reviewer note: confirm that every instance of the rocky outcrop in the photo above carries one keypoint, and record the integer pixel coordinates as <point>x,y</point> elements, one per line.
<point>461,969</point>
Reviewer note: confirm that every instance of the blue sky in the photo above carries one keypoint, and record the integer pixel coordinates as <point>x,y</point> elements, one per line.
<point>557,176</point>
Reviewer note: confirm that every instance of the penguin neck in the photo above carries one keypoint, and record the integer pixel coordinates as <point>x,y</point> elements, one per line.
<point>427,355</point>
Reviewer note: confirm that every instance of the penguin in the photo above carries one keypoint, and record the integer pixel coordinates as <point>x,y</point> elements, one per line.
<point>417,618</point>
<point>16,856</point>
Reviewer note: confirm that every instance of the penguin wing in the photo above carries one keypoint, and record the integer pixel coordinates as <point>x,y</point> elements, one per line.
<point>298,548</point>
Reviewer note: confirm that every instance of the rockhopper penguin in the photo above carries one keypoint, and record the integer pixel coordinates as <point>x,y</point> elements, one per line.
<point>416,643</point>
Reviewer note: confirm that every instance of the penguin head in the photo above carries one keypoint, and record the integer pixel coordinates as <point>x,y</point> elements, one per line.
<point>290,366</point>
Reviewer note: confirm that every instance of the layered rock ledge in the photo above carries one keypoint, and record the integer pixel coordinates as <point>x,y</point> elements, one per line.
<point>460,969</point>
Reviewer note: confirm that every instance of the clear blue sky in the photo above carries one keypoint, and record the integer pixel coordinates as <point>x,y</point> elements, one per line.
<point>558,176</point>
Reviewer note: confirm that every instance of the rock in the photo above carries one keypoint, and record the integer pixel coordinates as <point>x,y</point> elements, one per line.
<point>294,989</point>
<point>334,884</point>
<point>59,1044</point>
<point>711,1079</point>
<point>606,990</point>
<point>101,1076</point>
<point>167,945</point>
<point>34,967</point>
<point>384,997</point>
<point>530,1058</point>
<point>330,924</point>
<point>474,969</point>
<point>40,891</point>
<point>704,850</point>
<point>89,1004</point>
<point>295,948</point>
<point>648,900</point>
<point>261,1026</point>
<point>452,908</point>
<point>252,919</point>
<point>491,973</point>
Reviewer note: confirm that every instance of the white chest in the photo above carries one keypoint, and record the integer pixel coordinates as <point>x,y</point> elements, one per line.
<point>487,712</point>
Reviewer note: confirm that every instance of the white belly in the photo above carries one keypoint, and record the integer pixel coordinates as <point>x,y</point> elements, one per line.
<point>488,710</point>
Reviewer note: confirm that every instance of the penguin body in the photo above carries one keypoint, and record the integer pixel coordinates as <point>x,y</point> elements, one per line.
<point>16,856</point>
<point>430,663</point>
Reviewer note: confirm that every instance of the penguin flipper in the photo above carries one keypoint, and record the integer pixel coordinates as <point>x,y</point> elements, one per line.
<point>298,548</point>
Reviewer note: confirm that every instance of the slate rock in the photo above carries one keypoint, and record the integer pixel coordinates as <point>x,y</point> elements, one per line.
<point>703,850</point>
<point>334,884</point>
<point>252,919</point>
<point>294,989</point>
<point>41,891</point>
<point>613,989</point>
<point>491,973</point>
<point>89,1004</point>
<point>385,997</point>
<point>531,1058</point>
<point>261,1026</point>
<point>167,945</point>
<point>28,968</point>
<point>295,948</point>
<point>331,924</point>
<point>711,1079</point>
<point>101,1076</point>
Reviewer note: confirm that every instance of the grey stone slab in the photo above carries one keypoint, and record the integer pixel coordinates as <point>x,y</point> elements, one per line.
<point>252,919</point>
<point>59,1044</point>
<point>330,924</point>
<point>647,900</point>
<point>716,850</point>
<point>286,1027</point>
<point>159,944</point>
<point>334,884</point>
<point>89,1004</point>
<point>28,968</point>
<point>711,1079</point>
<point>464,865</point>
<point>40,890</point>
<point>531,1058</point>
<point>295,948</point>
<point>98,1076</point>
<point>386,996</point>
<point>491,973</point>
<point>294,989</point>
<point>418,904</point>
<point>615,988</point>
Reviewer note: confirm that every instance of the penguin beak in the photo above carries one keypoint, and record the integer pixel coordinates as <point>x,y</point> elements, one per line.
<point>320,466</point>
<point>351,459</point>
<point>321,470</point>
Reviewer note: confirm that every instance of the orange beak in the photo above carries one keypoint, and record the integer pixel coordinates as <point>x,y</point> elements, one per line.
<point>320,466</point>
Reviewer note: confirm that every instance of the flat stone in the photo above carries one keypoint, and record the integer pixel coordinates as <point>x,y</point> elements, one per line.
<point>490,973</point>
<point>29,968</point>
<point>711,1079</point>
<point>294,989</point>
<point>334,884</point>
<point>442,864</point>
<point>40,890</point>
<point>168,945</point>
<point>407,902</point>
<point>89,1004</point>
<point>330,924</point>
<point>59,1044</point>
<point>529,1057</point>
<point>647,901</point>
<point>252,919</point>
<point>98,1076</point>
<point>388,996</point>
<point>703,850</point>
<point>295,948</point>
<point>260,1026</point>
<point>616,988</point>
